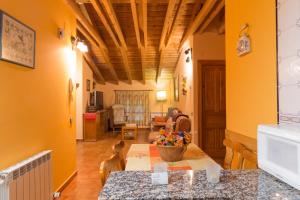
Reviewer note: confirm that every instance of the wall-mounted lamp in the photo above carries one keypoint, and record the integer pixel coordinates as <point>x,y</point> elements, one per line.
<point>187,51</point>
<point>79,44</point>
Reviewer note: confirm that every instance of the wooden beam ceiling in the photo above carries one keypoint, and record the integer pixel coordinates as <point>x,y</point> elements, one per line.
<point>144,17</point>
<point>93,66</point>
<point>102,51</point>
<point>101,15</point>
<point>138,37</point>
<point>135,22</point>
<point>205,10</point>
<point>167,23</point>
<point>214,13</point>
<point>148,51</point>
<point>171,29</point>
<point>87,25</point>
<point>123,49</point>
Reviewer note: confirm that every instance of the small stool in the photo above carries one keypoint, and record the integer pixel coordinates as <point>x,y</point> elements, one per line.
<point>129,127</point>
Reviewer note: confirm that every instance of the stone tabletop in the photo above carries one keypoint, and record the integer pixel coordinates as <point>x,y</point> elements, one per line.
<point>237,184</point>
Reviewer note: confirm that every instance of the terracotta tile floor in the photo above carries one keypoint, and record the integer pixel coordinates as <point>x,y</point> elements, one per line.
<point>86,185</point>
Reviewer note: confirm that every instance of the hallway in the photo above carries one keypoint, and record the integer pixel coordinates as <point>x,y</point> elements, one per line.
<point>86,185</point>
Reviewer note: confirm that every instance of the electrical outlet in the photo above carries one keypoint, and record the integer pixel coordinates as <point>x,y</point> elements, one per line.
<point>56,194</point>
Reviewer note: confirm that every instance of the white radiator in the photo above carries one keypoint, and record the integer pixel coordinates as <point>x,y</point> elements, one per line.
<point>30,179</point>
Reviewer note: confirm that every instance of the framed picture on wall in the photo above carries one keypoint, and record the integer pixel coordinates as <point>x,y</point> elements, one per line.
<point>176,88</point>
<point>88,85</point>
<point>17,41</point>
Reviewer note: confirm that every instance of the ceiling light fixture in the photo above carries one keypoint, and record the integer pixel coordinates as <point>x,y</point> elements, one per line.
<point>79,44</point>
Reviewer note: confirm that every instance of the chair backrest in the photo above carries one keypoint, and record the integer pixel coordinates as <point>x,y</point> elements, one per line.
<point>118,148</point>
<point>108,166</point>
<point>183,123</point>
<point>229,153</point>
<point>250,160</point>
<point>173,112</point>
<point>118,113</point>
<point>238,156</point>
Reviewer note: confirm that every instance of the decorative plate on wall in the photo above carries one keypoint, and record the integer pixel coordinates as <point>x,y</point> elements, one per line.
<point>17,41</point>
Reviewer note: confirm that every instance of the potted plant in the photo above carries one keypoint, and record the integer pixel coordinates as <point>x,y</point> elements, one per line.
<point>172,145</point>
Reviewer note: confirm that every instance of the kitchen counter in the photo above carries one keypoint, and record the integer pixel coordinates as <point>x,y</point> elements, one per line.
<point>237,184</point>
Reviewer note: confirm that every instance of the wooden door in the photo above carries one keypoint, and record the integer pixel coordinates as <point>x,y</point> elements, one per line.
<point>213,109</point>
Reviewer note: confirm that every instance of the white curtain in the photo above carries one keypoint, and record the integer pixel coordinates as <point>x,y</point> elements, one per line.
<point>136,104</point>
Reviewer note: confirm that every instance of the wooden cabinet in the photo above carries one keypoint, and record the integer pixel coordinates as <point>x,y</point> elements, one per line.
<point>95,125</point>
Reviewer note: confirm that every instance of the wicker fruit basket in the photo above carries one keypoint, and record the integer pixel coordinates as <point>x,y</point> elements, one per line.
<point>171,153</point>
<point>172,145</point>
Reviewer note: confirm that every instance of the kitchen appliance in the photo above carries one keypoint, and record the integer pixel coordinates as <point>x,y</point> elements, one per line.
<point>279,152</point>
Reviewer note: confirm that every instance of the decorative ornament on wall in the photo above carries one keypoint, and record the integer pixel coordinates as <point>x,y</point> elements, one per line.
<point>244,42</point>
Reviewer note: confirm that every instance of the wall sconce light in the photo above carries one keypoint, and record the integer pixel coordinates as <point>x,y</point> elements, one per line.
<point>79,44</point>
<point>187,51</point>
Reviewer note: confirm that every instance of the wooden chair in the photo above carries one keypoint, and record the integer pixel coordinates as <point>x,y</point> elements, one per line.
<point>108,166</point>
<point>229,153</point>
<point>238,156</point>
<point>249,159</point>
<point>119,149</point>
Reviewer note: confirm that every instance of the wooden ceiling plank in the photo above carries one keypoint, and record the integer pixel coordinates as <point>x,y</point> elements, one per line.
<point>167,23</point>
<point>86,34</point>
<point>214,13</point>
<point>158,72</point>
<point>135,22</point>
<point>222,29</point>
<point>85,22</point>
<point>145,23</point>
<point>138,37</point>
<point>85,12</point>
<point>102,51</point>
<point>205,10</point>
<point>101,15</point>
<point>126,64</point>
<point>113,18</point>
<point>169,35</point>
<point>94,68</point>
<point>123,49</point>
<point>143,64</point>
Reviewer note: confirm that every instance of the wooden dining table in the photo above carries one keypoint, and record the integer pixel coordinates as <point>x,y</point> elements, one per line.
<point>142,157</point>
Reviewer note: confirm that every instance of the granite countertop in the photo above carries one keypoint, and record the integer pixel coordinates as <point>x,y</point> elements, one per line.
<point>237,184</point>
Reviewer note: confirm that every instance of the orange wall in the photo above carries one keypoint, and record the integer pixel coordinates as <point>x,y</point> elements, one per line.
<point>251,79</point>
<point>35,105</point>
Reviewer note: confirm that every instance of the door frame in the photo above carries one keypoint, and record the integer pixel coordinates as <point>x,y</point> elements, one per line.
<point>200,65</point>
